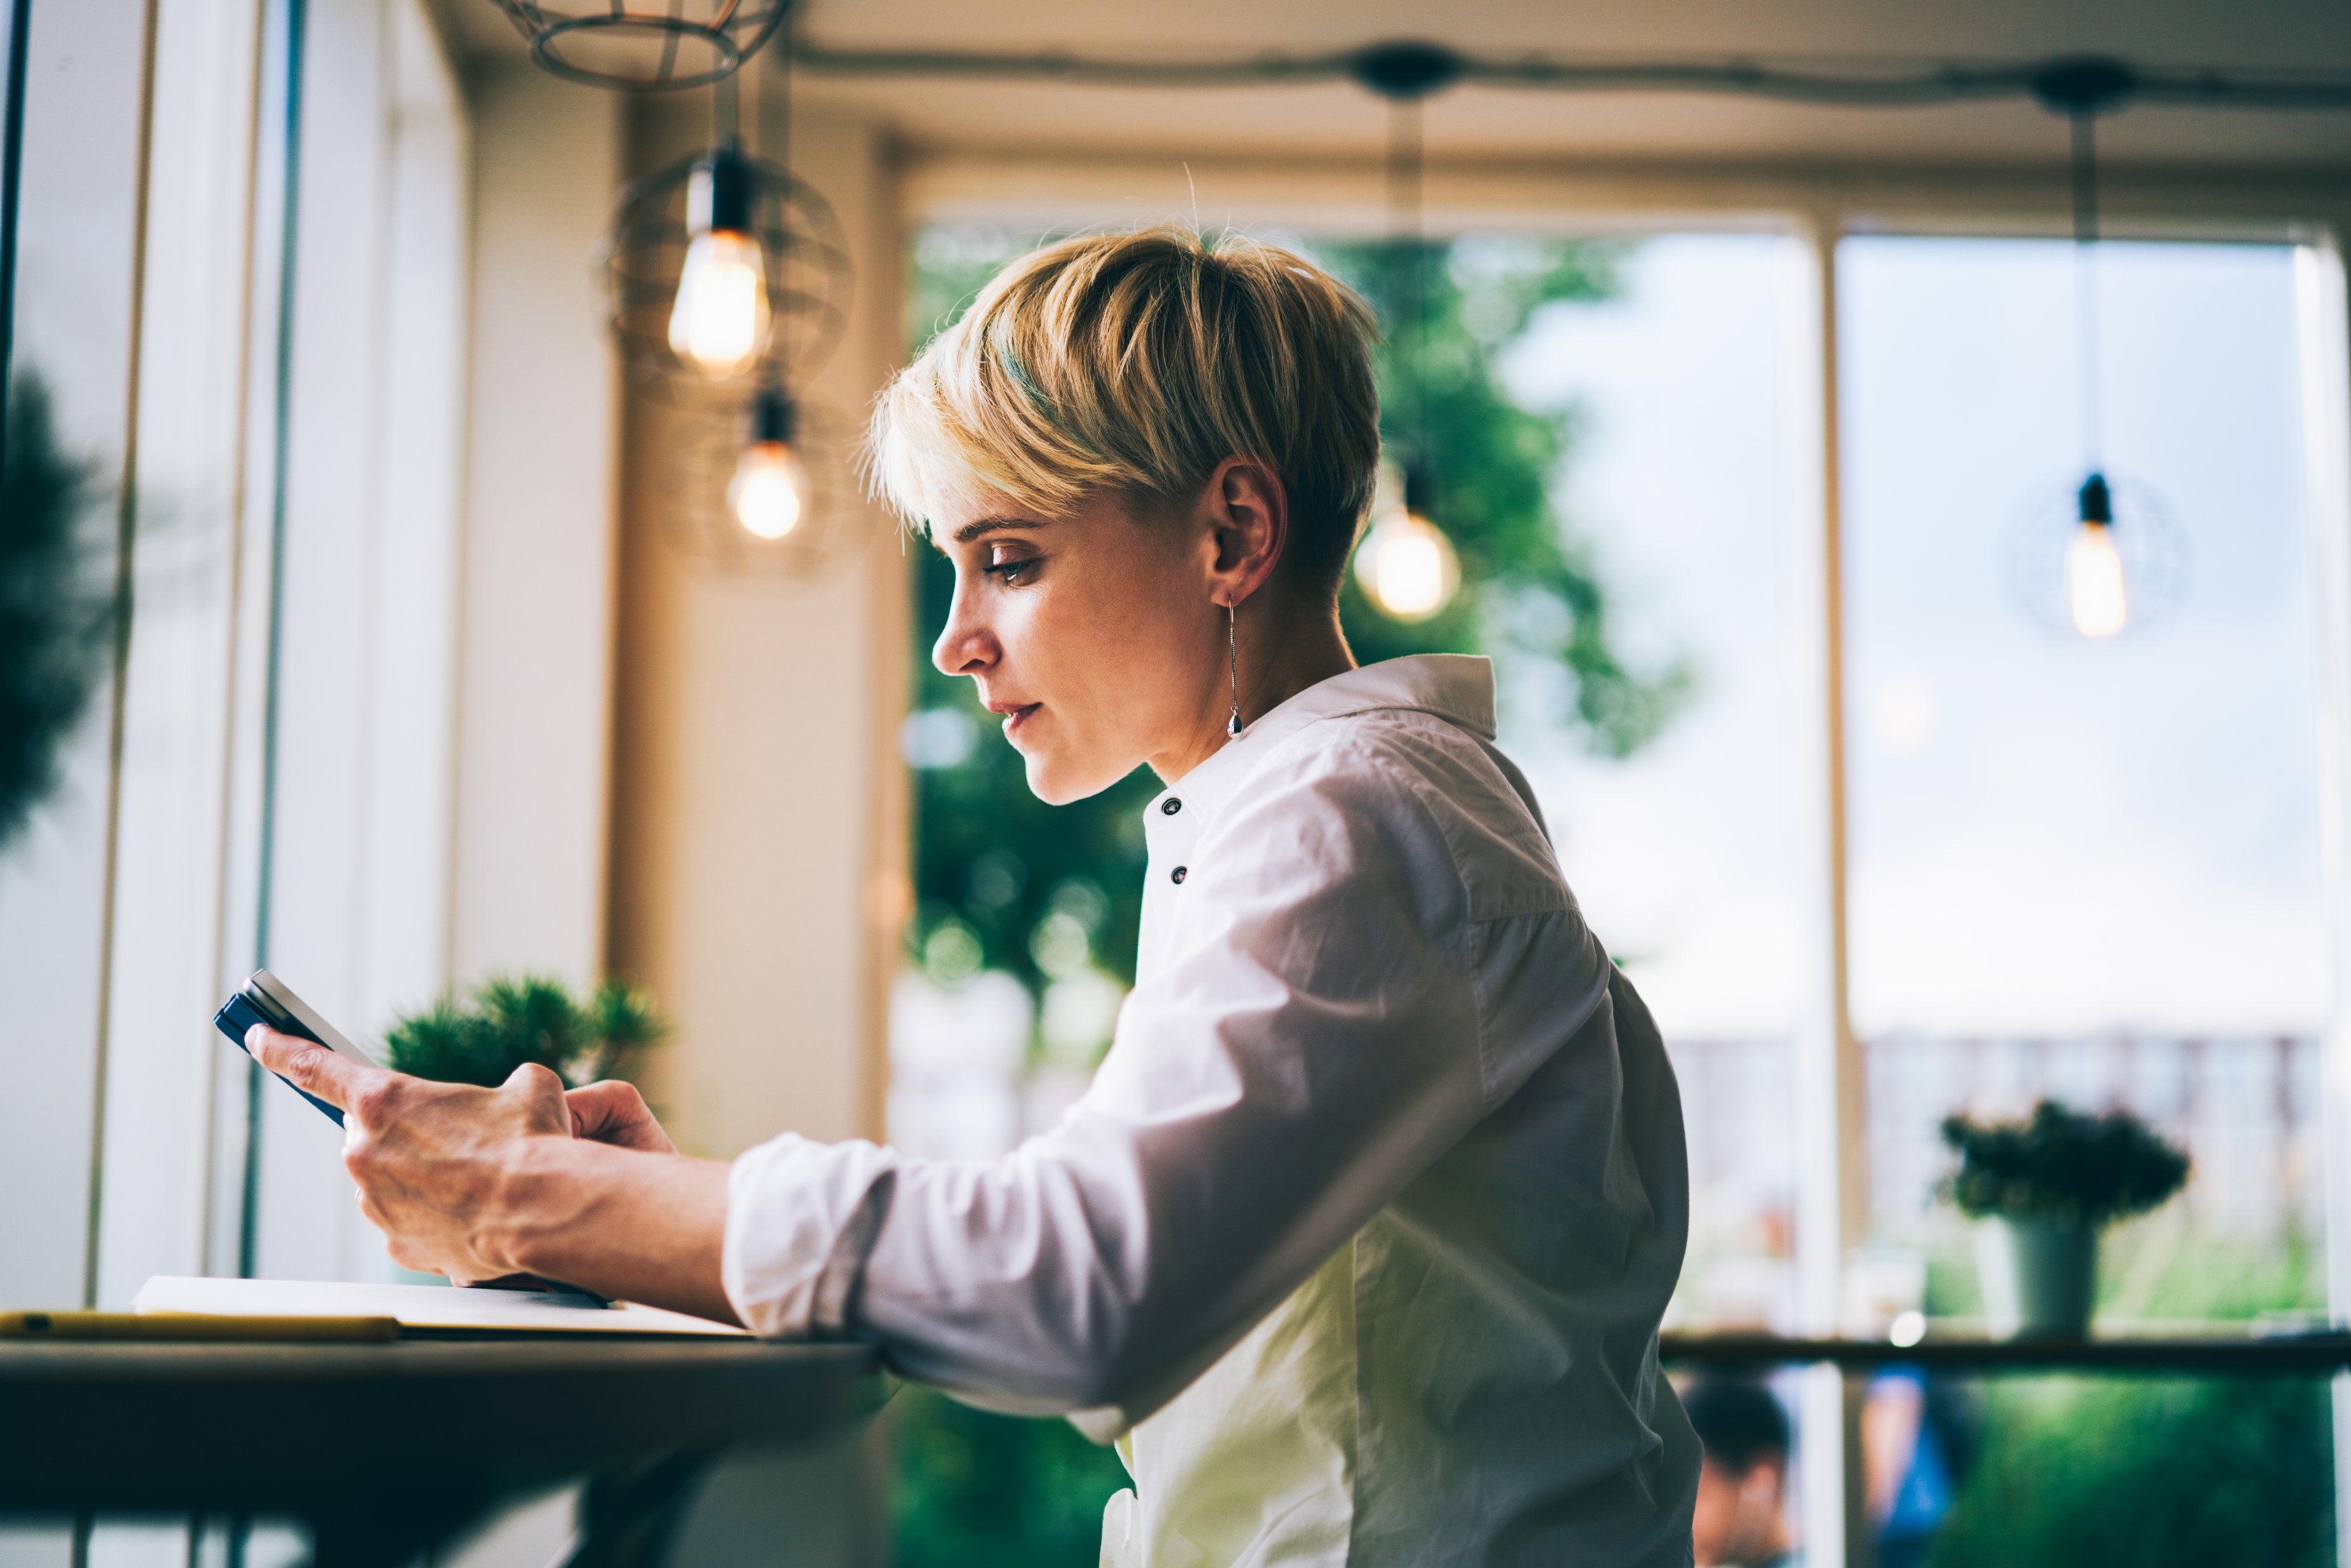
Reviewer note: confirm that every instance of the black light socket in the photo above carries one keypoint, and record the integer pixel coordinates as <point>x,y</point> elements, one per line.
<point>2097,502</point>
<point>1419,489</point>
<point>718,197</point>
<point>773,416</point>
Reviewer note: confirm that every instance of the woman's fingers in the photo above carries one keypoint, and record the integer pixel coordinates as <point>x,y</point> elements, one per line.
<point>312,1067</point>
<point>612,1112</point>
<point>601,1108</point>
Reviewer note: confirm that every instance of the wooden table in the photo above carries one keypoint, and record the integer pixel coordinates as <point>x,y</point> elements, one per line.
<point>385,1451</point>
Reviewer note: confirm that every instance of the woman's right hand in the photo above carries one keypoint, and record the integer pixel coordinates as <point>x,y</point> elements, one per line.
<point>612,1112</point>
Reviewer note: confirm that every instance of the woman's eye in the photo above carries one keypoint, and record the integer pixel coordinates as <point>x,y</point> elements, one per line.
<point>1009,572</point>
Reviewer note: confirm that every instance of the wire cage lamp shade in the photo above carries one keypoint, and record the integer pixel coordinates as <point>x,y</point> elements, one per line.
<point>761,489</point>
<point>787,237</point>
<point>645,44</point>
<point>2099,559</point>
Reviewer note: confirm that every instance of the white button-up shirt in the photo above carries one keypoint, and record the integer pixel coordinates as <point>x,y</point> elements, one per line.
<point>1360,1239</point>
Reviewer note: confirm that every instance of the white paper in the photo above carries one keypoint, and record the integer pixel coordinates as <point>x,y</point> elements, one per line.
<point>417,1306</point>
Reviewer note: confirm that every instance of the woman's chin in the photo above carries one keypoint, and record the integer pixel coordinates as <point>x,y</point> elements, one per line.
<point>1057,781</point>
<point>1047,781</point>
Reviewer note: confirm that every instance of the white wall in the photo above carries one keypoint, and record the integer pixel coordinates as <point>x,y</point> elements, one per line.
<point>534,748</point>
<point>758,804</point>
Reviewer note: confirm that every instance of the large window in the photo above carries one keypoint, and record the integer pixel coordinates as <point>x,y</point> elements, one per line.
<point>2088,871</point>
<point>270,413</point>
<point>2085,869</point>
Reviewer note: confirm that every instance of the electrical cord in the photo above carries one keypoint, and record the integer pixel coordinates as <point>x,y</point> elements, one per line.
<point>1415,69</point>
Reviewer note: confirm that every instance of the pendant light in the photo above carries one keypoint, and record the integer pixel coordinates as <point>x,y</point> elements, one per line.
<point>2121,557</point>
<point>718,323</point>
<point>724,272</point>
<point>757,303</point>
<point>1406,565</point>
<point>759,489</point>
<point>769,490</point>
<point>2097,592</point>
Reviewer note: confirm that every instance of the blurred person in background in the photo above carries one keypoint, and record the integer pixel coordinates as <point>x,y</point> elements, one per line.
<point>1915,1434</point>
<point>1741,1516</point>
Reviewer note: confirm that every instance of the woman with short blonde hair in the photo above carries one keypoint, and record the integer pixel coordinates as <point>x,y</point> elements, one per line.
<point>1358,1244</point>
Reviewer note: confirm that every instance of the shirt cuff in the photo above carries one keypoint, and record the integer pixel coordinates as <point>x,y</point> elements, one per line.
<point>800,1219</point>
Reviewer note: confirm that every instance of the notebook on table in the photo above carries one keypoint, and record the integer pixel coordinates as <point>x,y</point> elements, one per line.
<point>423,1312</point>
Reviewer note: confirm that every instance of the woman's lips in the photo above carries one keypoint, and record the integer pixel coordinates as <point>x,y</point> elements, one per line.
<point>1016,718</point>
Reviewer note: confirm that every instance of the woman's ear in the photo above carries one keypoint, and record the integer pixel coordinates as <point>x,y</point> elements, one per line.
<point>1249,523</point>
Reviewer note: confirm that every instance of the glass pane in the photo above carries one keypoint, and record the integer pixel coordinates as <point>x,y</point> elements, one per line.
<point>70,352</point>
<point>2083,869</point>
<point>1684,854</point>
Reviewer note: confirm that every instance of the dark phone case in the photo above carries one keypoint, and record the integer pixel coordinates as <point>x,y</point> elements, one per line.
<point>241,1012</point>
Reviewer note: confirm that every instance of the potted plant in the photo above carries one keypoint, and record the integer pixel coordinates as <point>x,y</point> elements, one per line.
<point>510,1021</point>
<point>2047,1186</point>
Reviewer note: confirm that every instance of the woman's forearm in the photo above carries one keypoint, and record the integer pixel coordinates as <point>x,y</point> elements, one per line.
<point>643,1226</point>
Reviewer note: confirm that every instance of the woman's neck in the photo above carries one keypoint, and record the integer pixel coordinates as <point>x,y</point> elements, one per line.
<point>1284,648</point>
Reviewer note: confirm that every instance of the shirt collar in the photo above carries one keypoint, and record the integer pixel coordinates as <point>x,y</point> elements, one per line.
<point>1457,688</point>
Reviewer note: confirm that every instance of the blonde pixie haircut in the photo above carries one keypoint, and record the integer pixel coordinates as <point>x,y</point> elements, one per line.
<point>1133,364</point>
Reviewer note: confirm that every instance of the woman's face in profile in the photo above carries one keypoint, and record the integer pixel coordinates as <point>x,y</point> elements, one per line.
<point>1092,632</point>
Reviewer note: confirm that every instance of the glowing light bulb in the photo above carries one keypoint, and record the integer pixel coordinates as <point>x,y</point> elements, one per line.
<point>1407,567</point>
<point>2096,594</point>
<point>769,492</point>
<point>720,321</point>
<point>2093,582</point>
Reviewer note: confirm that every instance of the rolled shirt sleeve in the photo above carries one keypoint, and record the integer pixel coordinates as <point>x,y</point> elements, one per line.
<point>1311,1041</point>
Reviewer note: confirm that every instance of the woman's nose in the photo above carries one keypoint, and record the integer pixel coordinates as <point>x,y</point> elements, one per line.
<point>965,647</point>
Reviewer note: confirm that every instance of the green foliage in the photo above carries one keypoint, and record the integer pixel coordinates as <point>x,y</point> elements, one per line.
<point>2138,1473</point>
<point>510,1021</point>
<point>55,618</point>
<point>2062,1166</point>
<point>2170,1474</point>
<point>980,1490</point>
<point>1528,581</point>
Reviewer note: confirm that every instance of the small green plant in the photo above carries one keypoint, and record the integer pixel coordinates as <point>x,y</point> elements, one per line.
<point>511,1020</point>
<point>2061,1166</point>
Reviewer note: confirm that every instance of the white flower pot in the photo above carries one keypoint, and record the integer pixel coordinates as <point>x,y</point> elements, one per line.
<point>2039,1278</point>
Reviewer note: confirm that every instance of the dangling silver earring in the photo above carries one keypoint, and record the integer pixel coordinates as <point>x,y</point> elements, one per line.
<point>1233,664</point>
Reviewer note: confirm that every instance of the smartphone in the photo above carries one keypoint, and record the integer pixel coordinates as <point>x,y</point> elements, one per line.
<point>265,998</point>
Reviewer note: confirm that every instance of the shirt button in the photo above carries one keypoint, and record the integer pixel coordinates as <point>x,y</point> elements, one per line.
<point>1178,874</point>
<point>1171,805</point>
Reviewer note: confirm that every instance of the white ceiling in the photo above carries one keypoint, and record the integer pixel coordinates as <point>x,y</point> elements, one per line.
<point>934,114</point>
